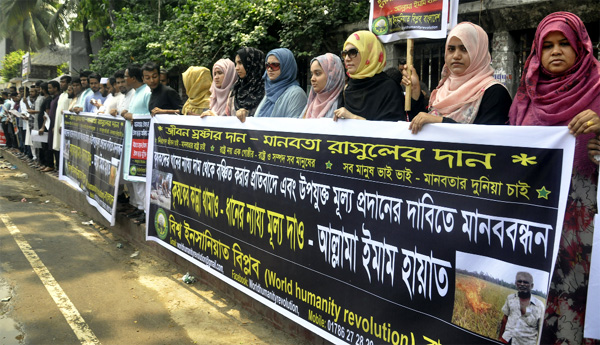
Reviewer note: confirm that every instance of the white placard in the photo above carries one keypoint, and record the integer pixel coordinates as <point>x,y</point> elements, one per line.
<point>591,328</point>
<point>35,136</point>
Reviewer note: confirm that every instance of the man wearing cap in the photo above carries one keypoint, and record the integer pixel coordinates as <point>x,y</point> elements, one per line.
<point>113,96</point>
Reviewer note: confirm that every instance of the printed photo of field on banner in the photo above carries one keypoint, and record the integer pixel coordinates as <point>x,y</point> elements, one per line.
<point>482,286</point>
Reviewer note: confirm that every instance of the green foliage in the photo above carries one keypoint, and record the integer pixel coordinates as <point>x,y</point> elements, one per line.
<point>309,23</point>
<point>11,65</point>
<point>203,31</point>
<point>30,24</point>
<point>62,68</point>
<point>131,42</point>
<point>199,32</point>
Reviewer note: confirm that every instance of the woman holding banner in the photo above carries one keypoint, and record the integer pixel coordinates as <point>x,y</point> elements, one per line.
<point>249,90</point>
<point>283,95</point>
<point>327,82</point>
<point>224,76</point>
<point>560,86</point>
<point>468,92</point>
<point>370,94</point>
<point>196,81</point>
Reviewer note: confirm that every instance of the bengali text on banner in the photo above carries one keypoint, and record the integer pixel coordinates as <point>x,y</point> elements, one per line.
<point>393,20</point>
<point>359,230</point>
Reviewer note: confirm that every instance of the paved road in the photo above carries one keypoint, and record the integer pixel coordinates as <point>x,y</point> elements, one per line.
<point>68,283</point>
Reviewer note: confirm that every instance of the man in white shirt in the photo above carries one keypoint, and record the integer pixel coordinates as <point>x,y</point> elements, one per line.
<point>7,122</point>
<point>23,122</point>
<point>25,105</point>
<point>63,104</point>
<point>37,106</point>
<point>127,91</point>
<point>31,99</point>
<point>114,96</point>
<point>523,314</point>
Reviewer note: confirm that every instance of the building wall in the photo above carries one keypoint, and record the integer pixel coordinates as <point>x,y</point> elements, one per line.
<point>79,58</point>
<point>3,49</point>
<point>42,72</point>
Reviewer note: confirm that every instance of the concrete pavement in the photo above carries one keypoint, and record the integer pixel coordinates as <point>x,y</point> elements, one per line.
<point>69,283</point>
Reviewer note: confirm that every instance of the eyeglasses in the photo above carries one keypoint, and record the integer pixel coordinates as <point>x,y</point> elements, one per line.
<point>275,66</point>
<point>352,53</point>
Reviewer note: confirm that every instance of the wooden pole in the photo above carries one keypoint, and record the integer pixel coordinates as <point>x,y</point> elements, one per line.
<point>409,67</point>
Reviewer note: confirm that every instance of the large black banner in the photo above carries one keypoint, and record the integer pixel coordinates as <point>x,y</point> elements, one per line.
<point>359,230</point>
<point>90,158</point>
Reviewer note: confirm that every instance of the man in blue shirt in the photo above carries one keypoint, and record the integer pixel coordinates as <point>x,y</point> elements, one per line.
<point>141,98</point>
<point>137,106</point>
<point>90,107</point>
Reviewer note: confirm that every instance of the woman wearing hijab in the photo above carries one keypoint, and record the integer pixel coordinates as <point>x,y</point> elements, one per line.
<point>560,86</point>
<point>370,94</point>
<point>224,76</point>
<point>327,82</point>
<point>196,81</point>
<point>249,90</point>
<point>468,92</point>
<point>283,95</point>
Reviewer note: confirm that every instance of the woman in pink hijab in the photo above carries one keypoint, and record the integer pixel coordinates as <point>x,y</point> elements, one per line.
<point>327,82</point>
<point>468,92</point>
<point>560,86</point>
<point>224,76</point>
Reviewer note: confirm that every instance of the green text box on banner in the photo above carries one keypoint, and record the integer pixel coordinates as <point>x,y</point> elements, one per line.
<point>136,148</point>
<point>393,20</point>
<point>359,230</point>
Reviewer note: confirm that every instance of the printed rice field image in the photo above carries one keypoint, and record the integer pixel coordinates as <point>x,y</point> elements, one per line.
<point>482,289</point>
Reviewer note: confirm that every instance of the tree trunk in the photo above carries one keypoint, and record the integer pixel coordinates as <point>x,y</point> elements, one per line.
<point>111,13</point>
<point>88,41</point>
<point>159,12</point>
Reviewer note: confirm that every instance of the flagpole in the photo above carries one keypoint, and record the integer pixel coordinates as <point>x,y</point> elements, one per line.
<point>409,67</point>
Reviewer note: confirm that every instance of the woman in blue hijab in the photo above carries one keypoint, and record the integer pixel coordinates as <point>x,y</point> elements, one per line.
<point>283,95</point>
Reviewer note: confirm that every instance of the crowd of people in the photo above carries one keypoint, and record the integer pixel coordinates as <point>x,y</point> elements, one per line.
<point>560,86</point>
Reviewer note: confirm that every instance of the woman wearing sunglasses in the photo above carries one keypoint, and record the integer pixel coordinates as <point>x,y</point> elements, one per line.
<point>283,95</point>
<point>249,88</point>
<point>468,92</point>
<point>370,94</point>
